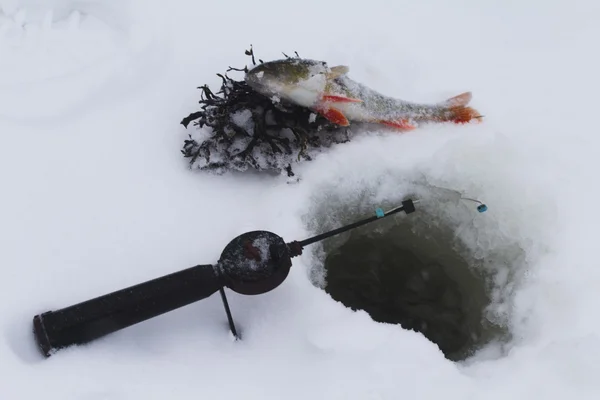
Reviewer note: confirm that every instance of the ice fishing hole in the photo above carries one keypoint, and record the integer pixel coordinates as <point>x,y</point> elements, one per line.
<point>415,271</point>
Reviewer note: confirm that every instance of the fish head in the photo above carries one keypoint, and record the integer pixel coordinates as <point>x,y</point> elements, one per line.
<point>299,81</point>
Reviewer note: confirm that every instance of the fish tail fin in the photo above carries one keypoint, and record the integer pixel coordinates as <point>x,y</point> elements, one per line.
<point>455,109</point>
<point>462,115</point>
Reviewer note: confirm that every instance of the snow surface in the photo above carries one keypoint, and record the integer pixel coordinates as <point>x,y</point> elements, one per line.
<point>96,195</point>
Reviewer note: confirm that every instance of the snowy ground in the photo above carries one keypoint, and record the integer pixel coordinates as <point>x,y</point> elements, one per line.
<point>96,196</point>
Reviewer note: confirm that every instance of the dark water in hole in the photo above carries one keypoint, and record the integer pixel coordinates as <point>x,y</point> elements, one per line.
<point>418,281</point>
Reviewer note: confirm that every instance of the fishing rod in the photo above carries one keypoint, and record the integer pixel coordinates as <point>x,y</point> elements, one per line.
<point>253,263</point>
<point>408,206</point>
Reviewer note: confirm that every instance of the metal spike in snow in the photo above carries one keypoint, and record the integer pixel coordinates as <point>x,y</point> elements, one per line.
<point>253,263</point>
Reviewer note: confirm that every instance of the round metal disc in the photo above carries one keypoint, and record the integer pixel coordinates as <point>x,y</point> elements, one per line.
<point>255,262</point>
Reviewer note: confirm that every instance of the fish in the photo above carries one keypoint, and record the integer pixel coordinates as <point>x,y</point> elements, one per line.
<point>331,93</point>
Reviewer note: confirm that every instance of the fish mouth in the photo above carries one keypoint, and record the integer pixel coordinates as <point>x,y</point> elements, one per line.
<point>267,84</point>
<point>262,81</point>
<point>265,87</point>
<point>253,79</point>
<point>259,85</point>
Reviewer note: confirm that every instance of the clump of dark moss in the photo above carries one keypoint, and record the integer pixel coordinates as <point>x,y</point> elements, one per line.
<point>242,129</point>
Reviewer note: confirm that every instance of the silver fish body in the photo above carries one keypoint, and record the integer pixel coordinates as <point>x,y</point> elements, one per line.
<point>331,93</point>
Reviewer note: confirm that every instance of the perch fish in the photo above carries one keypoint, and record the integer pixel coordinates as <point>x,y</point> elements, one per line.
<point>329,92</point>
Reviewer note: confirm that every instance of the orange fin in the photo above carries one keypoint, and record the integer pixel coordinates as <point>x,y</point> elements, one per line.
<point>340,99</point>
<point>459,101</point>
<point>334,115</point>
<point>400,124</point>
<point>461,115</point>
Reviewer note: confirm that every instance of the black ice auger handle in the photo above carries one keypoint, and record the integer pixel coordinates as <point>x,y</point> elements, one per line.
<point>91,319</point>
